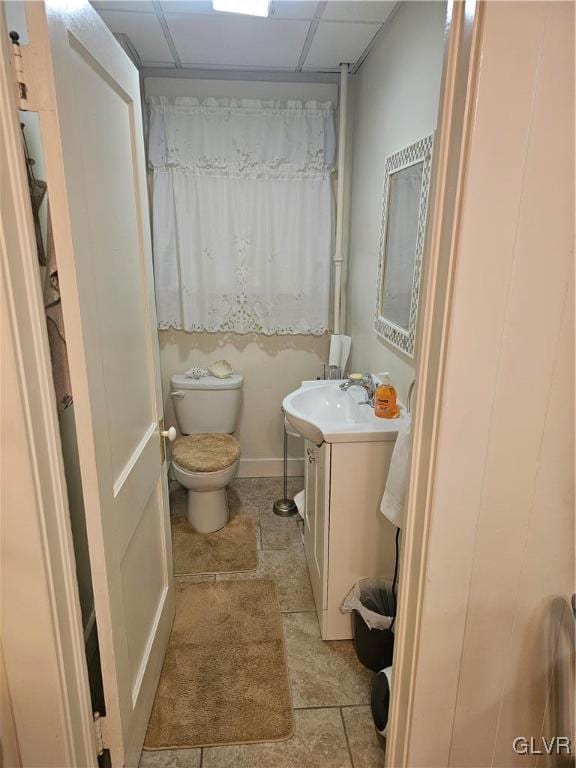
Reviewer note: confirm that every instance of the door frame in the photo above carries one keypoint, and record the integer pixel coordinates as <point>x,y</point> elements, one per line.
<point>63,640</point>
<point>56,721</point>
<point>458,693</point>
<point>462,52</point>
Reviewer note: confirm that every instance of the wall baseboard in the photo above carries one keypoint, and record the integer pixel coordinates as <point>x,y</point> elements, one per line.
<point>270,468</point>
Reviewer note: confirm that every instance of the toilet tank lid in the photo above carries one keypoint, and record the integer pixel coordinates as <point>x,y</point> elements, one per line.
<point>180,381</point>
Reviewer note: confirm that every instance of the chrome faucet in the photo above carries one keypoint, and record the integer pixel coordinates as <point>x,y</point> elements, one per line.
<point>366,382</point>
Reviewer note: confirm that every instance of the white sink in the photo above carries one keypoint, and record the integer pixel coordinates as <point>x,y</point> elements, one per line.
<point>321,412</point>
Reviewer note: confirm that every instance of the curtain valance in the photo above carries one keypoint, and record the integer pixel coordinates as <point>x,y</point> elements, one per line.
<point>242,214</point>
<point>242,137</point>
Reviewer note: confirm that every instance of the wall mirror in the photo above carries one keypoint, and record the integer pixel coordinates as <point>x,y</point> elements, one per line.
<point>404,208</point>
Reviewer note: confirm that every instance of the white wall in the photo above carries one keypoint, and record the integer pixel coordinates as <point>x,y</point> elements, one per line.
<point>396,103</point>
<point>495,652</point>
<point>272,365</point>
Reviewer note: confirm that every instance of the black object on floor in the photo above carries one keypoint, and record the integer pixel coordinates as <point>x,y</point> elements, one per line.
<point>380,701</point>
<point>374,646</point>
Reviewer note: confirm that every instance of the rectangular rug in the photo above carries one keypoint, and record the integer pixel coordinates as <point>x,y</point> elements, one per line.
<point>225,677</point>
<point>229,550</point>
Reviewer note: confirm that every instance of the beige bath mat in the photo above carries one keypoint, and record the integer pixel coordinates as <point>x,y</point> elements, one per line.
<point>225,679</point>
<point>231,549</point>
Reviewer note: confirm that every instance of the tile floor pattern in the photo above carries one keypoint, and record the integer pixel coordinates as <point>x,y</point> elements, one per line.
<point>330,688</point>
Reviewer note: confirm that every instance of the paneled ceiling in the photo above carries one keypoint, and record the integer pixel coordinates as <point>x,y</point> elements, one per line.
<point>298,35</point>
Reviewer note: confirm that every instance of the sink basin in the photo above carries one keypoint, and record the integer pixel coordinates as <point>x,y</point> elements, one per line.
<point>321,412</point>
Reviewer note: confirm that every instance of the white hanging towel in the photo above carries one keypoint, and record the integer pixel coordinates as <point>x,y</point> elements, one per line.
<point>300,501</point>
<point>339,350</point>
<point>392,504</point>
<point>345,344</point>
<point>334,352</point>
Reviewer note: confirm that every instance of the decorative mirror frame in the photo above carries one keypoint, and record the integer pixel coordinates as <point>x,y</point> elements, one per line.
<point>420,151</point>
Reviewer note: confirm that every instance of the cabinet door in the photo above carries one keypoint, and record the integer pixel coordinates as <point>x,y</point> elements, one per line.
<point>316,519</point>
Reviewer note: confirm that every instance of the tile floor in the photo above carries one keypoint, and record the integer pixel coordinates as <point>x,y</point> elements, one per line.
<point>330,688</point>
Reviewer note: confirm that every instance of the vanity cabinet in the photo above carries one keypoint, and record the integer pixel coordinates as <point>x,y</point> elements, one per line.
<point>346,538</point>
<point>317,517</point>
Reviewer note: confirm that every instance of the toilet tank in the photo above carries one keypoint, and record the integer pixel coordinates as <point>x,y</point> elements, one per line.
<point>207,404</point>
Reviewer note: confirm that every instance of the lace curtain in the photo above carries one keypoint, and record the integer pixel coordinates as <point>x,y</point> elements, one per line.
<point>242,214</point>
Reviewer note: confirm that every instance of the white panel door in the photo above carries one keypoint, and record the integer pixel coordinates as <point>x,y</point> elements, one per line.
<point>88,96</point>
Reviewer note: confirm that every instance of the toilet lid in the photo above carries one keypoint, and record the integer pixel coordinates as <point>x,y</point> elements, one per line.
<point>206,451</point>
<point>181,381</point>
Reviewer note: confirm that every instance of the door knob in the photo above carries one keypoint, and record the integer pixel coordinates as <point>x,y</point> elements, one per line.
<point>169,433</point>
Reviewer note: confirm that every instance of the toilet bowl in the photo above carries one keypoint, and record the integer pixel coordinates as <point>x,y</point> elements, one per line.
<point>204,464</point>
<point>207,456</point>
<point>207,507</point>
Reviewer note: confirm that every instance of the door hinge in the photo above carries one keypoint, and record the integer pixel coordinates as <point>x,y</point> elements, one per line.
<point>21,88</point>
<point>99,724</point>
<point>33,90</point>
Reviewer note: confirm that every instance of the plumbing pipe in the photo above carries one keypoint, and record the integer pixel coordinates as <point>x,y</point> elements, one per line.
<point>340,193</point>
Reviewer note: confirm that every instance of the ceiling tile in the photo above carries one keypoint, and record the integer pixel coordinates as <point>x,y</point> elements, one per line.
<point>237,41</point>
<point>337,42</point>
<point>293,9</point>
<point>123,5</point>
<point>358,10</point>
<point>144,31</point>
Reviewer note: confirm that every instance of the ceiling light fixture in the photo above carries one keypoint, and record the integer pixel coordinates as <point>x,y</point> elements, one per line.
<point>249,7</point>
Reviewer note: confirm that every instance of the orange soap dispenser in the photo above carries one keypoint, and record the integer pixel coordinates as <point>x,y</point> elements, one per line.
<point>385,399</point>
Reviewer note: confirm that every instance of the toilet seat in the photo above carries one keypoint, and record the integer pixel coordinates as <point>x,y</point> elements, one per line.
<point>204,481</point>
<point>204,463</point>
<point>205,452</point>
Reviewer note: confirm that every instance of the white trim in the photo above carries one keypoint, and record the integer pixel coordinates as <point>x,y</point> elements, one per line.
<point>60,684</point>
<point>134,458</point>
<point>159,11</point>
<point>250,73</point>
<point>314,22</point>
<point>148,650</point>
<point>342,203</point>
<point>129,48</point>
<point>451,147</point>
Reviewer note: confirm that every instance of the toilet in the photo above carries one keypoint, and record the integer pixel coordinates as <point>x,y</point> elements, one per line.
<point>205,458</point>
